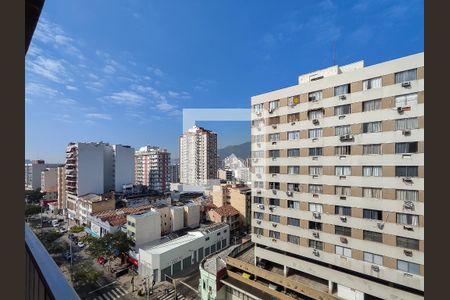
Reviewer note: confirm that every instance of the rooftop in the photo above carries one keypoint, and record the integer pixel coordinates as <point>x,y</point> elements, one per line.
<point>226,210</point>
<point>214,263</point>
<point>117,217</point>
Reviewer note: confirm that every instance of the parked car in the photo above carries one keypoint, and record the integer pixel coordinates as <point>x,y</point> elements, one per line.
<point>62,230</point>
<point>67,256</point>
<point>81,244</point>
<point>101,260</point>
<point>55,223</point>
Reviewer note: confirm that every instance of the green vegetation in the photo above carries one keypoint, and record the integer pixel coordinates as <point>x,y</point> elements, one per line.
<point>84,274</point>
<point>48,238</point>
<point>32,209</point>
<point>33,196</point>
<point>57,247</point>
<point>76,229</point>
<point>110,246</point>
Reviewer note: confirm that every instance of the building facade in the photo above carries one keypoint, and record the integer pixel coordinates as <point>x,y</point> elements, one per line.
<point>152,168</point>
<point>33,171</point>
<point>49,181</point>
<point>198,156</point>
<point>61,187</point>
<point>174,172</point>
<point>338,178</point>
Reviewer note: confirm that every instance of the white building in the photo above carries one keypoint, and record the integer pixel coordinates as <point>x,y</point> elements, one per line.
<point>152,168</point>
<point>33,171</point>
<point>177,213</point>
<point>192,215</point>
<point>96,168</point>
<point>144,228</point>
<point>198,156</point>
<point>171,256</point>
<point>237,166</point>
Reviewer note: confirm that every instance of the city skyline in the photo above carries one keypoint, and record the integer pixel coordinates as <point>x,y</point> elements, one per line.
<point>133,92</point>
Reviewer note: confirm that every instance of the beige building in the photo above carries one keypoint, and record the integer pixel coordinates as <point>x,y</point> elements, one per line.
<point>49,180</point>
<point>226,214</point>
<point>338,181</point>
<point>61,187</point>
<point>152,168</point>
<point>91,203</point>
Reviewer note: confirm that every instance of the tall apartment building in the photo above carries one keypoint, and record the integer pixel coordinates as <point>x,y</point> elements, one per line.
<point>96,168</point>
<point>33,171</point>
<point>152,168</point>
<point>338,181</point>
<point>198,156</point>
<point>61,187</point>
<point>49,180</point>
<point>174,171</point>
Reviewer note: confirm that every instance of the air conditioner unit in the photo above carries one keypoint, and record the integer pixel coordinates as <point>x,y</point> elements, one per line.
<point>274,143</point>
<point>408,252</point>
<point>400,110</point>
<point>258,192</point>
<point>274,126</point>
<point>316,252</point>
<point>274,224</point>
<point>375,268</point>
<point>258,175</point>
<point>289,193</point>
<point>342,97</point>
<point>258,222</point>
<point>271,110</point>
<point>258,113</point>
<point>261,206</point>
<point>274,191</point>
<point>274,174</point>
<point>255,160</point>
<point>343,197</point>
<point>312,98</point>
<point>315,121</point>
<point>274,240</point>
<point>272,207</point>
<point>258,235</point>
<point>315,234</point>
<point>408,204</point>
<point>292,123</point>
<point>346,137</point>
<point>274,157</point>
<point>407,180</point>
<point>344,240</point>
<point>408,227</point>
<point>316,215</point>
<point>406,132</point>
<point>380,225</point>
<point>406,84</point>
<point>315,176</point>
<point>315,195</point>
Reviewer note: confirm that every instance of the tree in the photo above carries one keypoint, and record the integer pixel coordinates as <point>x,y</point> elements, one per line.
<point>33,196</point>
<point>32,209</point>
<point>57,247</point>
<point>48,237</point>
<point>84,274</point>
<point>123,244</point>
<point>110,246</point>
<point>76,229</point>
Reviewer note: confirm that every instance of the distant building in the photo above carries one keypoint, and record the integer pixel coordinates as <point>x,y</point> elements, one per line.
<point>226,214</point>
<point>152,168</point>
<point>144,227</point>
<point>91,204</point>
<point>198,156</point>
<point>49,180</point>
<point>33,169</point>
<point>174,173</point>
<point>61,187</point>
<point>238,168</point>
<point>226,174</point>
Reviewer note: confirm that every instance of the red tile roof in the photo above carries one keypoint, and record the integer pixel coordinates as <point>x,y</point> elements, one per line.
<point>119,216</point>
<point>226,211</point>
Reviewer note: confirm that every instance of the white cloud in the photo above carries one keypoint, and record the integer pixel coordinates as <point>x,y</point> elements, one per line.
<point>51,69</point>
<point>40,90</point>
<point>126,97</point>
<point>109,69</point>
<point>99,116</point>
<point>156,71</point>
<point>67,101</point>
<point>71,88</point>
<point>178,95</point>
<point>165,106</point>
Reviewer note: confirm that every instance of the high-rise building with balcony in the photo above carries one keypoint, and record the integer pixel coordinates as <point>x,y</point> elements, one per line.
<point>198,156</point>
<point>338,182</point>
<point>152,168</point>
<point>174,171</point>
<point>96,168</point>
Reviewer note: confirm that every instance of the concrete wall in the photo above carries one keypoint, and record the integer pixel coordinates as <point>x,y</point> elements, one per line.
<point>191,215</point>
<point>177,213</point>
<point>147,227</point>
<point>49,180</point>
<point>90,174</point>
<point>124,166</point>
<point>166,219</point>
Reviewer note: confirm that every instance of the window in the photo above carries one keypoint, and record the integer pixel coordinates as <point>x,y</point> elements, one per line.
<point>371,105</point>
<point>343,171</point>
<point>376,171</point>
<point>274,234</point>
<point>258,123</point>
<point>315,133</point>
<point>372,127</point>
<point>406,171</point>
<point>274,105</point>
<point>315,207</point>
<point>342,110</point>
<point>274,153</point>
<point>316,170</point>
<point>313,96</point>
<point>258,138</point>
<point>259,184</point>
<point>258,215</point>
<point>410,147</point>
<point>293,117</point>
<point>293,170</point>
<point>315,225</point>
<point>406,100</point>
<point>341,230</point>
<point>293,152</point>
<point>343,190</point>
<point>258,230</point>
<point>274,137</point>
<point>372,236</point>
<point>274,169</point>
<point>342,89</point>
<point>343,210</point>
<point>274,218</point>
<point>293,204</point>
<point>342,130</point>
<point>372,214</point>
<point>274,201</point>
<point>315,151</point>
<point>372,83</point>
<point>372,192</point>
<point>407,195</point>
<point>274,185</point>
<point>372,149</point>
<point>315,114</point>
<point>343,251</point>
<point>293,222</point>
<point>293,239</point>
<point>408,267</point>
<point>258,200</point>
<point>258,108</point>
<point>407,219</point>
<point>316,244</point>
<point>258,154</point>
<point>407,124</point>
<point>342,150</point>
<point>373,258</point>
<point>406,76</point>
<point>293,135</point>
<point>274,120</point>
<point>259,169</point>
<point>408,243</point>
<point>315,188</point>
<point>292,101</point>
<point>293,187</point>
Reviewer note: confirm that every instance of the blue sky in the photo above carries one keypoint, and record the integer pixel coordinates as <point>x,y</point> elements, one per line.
<point>122,71</point>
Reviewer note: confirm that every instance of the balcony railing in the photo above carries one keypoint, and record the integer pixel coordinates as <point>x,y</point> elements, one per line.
<point>44,279</point>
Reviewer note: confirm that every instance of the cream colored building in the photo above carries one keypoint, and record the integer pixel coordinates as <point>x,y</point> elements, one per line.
<point>338,180</point>
<point>49,180</point>
<point>61,186</point>
<point>91,203</point>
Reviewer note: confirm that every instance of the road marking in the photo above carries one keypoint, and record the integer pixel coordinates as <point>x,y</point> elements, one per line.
<point>122,291</point>
<point>102,287</point>
<point>116,295</point>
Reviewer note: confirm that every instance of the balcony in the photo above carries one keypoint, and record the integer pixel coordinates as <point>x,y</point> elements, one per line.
<point>44,279</point>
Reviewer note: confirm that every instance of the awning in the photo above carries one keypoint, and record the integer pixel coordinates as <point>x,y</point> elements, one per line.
<point>133,261</point>
<point>88,230</point>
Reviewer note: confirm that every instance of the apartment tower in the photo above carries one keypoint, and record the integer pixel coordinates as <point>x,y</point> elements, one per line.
<point>338,181</point>
<point>96,168</point>
<point>152,168</point>
<point>198,156</point>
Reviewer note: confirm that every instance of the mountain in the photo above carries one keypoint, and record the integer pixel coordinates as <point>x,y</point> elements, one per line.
<point>242,151</point>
